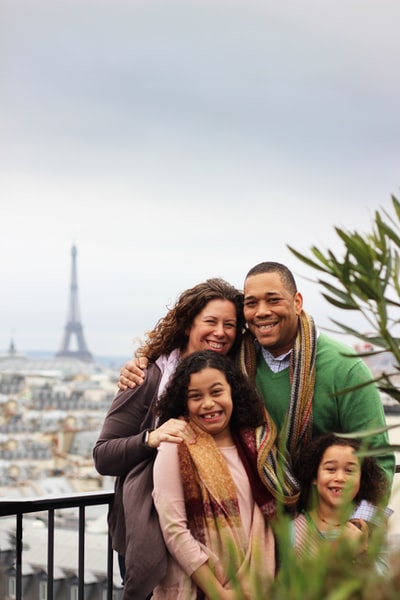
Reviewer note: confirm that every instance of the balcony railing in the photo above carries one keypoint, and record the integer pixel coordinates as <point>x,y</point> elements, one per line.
<point>26,506</point>
<point>21,507</point>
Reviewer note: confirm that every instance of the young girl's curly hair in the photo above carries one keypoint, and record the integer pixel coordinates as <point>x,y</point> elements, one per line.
<point>248,409</point>
<point>373,482</point>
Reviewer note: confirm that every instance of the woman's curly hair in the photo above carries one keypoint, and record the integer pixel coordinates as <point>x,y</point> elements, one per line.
<point>248,409</point>
<point>373,482</point>
<point>171,331</point>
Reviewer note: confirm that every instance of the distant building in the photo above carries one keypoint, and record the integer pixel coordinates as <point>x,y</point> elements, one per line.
<point>51,412</point>
<point>73,327</point>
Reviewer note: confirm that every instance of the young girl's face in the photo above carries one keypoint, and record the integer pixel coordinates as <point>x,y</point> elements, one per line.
<point>338,476</point>
<point>210,402</point>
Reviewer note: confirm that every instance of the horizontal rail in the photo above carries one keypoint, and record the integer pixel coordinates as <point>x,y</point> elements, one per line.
<point>12,506</point>
<point>22,506</point>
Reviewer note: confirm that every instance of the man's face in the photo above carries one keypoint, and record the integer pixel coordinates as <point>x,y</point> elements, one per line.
<point>271,311</point>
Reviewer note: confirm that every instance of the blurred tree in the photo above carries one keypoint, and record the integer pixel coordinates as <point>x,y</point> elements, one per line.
<point>366,280</point>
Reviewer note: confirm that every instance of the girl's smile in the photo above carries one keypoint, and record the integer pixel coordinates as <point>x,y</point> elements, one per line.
<point>338,476</point>
<point>210,403</point>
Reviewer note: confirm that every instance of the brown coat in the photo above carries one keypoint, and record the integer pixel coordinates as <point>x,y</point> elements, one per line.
<point>120,452</point>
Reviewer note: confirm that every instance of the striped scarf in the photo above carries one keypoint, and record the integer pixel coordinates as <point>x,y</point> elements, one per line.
<point>212,507</point>
<point>267,467</point>
<point>296,430</point>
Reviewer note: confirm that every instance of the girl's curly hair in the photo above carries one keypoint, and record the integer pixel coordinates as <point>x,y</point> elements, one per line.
<point>373,482</point>
<point>248,409</point>
<point>171,331</point>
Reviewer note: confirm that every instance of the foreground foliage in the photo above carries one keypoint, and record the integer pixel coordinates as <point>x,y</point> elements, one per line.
<point>366,280</point>
<point>338,572</point>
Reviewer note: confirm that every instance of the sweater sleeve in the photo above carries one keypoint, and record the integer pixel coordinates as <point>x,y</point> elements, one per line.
<point>170,504</point>
<point>363,411</point>
<point>120,444</point>
<point>347,400</point>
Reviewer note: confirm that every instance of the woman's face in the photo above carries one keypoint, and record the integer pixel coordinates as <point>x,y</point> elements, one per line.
<point>214,328</point>
<point>210,403</point>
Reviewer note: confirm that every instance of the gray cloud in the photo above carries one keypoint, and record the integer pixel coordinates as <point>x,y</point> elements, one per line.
<point>173,141</point>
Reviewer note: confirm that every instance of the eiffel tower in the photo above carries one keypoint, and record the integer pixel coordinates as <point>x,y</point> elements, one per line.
<point>74,325</point>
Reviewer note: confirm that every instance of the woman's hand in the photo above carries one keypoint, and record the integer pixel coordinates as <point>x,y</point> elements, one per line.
<point>173,430</point>
<point>132,373</point>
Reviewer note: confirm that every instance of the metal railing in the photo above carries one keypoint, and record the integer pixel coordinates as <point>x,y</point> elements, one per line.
<point>22,506</point>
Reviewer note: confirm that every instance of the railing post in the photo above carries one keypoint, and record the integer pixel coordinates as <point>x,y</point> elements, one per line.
<point>50,554</point>
<point>110,562</point>
<point>81,560</point>
<point>18,556</point>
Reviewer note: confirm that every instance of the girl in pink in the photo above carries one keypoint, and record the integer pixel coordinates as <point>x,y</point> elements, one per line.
<point>213,497</point>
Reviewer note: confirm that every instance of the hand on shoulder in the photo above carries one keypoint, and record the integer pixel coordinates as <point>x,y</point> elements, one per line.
<point>173,430</point>
<point>132,373</point>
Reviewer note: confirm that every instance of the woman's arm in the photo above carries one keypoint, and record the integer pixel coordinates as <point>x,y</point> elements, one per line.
<point>120,445</point>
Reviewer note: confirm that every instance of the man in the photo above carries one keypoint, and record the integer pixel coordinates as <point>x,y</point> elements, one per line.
<point>310,383</point>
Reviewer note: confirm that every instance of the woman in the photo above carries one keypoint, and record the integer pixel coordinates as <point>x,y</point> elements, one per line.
<point>207,316</point>
<point>212,497</point>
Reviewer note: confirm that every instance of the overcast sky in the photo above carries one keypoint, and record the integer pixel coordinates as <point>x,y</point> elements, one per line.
<point>175,141</point>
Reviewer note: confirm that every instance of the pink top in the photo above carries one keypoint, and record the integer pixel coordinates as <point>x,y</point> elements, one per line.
<point>169,501</point>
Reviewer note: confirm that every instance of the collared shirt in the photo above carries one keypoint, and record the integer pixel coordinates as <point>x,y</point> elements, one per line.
<point>276,363</point>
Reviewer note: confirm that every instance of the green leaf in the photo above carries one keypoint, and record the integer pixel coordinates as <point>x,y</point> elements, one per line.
<point>396,205</point>
<point>391,234</point>
<point>391,391</point>
<point>344,306</point>
<point>306,260</point>
<point>345,589</point>
<point>346,298</point>
<point>378,451</point>
<point>367,433</point>
<point>374,340</point>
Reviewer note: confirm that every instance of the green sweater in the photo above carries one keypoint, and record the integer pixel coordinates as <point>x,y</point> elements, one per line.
<point>356,410</point>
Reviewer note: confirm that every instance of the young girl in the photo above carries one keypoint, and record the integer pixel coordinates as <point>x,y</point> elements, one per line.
<point>214,504</point>
<point>334,480</point>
